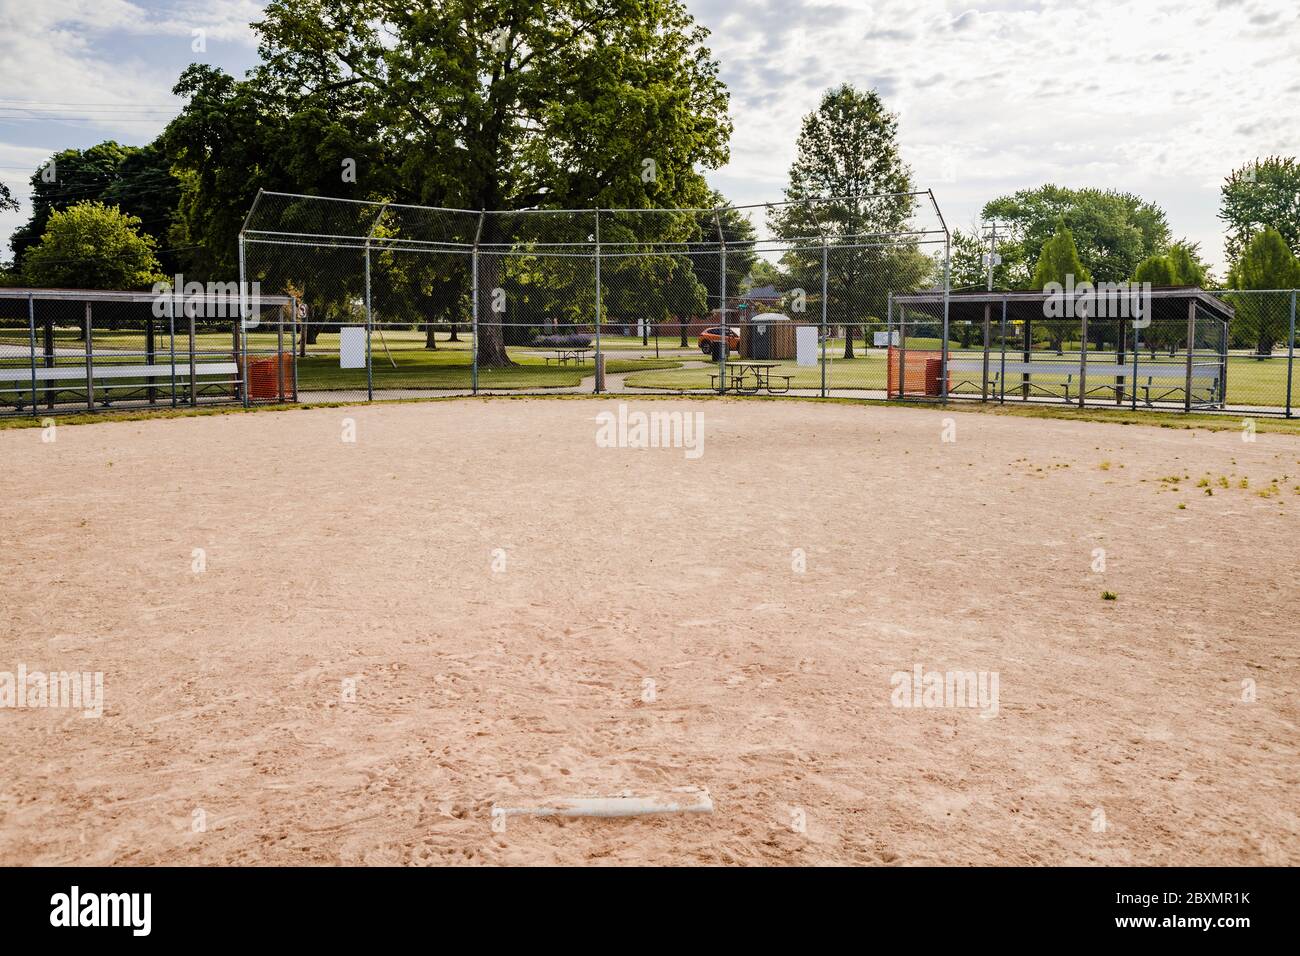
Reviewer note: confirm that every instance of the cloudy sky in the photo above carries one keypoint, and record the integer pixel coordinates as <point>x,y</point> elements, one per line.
<point>1158,98</point>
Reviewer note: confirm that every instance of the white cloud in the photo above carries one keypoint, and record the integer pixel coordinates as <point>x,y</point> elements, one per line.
<point>1162,99</point>
<point>1159,98</point>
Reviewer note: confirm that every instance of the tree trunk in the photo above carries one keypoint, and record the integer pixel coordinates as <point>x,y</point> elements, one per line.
<point>430,342</point>
<point>848,341</point>
<point>682,326</point>
<point>454,329</point>
<point>491,324</point>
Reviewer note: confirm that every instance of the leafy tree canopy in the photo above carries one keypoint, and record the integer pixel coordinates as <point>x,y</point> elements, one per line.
<point>1261,195</point>
<point>847,161</point>
<point>1113,231</point>
<point>459,103</point>
<point>1059,260</point>
<point>135,179</point>
<point>93,246</point>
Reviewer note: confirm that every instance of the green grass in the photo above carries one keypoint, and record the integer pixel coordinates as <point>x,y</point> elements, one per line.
<point>1250,381</point>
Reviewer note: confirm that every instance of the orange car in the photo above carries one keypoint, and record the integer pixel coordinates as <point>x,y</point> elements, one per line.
<point>711,341</point>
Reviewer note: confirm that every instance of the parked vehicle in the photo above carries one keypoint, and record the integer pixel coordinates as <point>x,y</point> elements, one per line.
<point>710,341</point>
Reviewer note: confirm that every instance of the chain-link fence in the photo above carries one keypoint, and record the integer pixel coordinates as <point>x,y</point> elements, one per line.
<point>446,301</point>
<point>83,350</point>
<point>349,301</point>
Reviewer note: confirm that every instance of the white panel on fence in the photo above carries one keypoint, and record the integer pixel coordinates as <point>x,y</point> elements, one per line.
<point>805,345</point>
<point>881,339</point>
<point>352,347</point>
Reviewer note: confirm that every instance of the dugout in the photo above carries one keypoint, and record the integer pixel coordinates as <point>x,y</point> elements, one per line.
<point>1164,348</point>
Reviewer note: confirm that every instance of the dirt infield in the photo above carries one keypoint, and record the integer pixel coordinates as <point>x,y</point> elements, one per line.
<point>524,614</point>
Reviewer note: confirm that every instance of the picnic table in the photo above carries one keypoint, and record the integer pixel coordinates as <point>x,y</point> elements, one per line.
<point>749,377</point>
<point>564,356</point>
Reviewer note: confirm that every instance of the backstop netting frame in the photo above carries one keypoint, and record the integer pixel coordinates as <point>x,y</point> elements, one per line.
<point>560,291</point>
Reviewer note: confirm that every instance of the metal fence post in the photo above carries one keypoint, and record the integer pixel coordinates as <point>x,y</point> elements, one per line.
<point>1290,359</point>
<point>722,293</point>
<point>279,357</point>
<point>947,282</point>
<point>1002,372</point>
<point>370,365</point>
<point>293,343</point>
<point>90,361</point>
<point>1137,353</point>
<point>474,306</point>
<point>1083,354</point>
<point>194,384</point>
<point>984,382</point>
<point>825,269</point>
<point>171,338</point>
<point>1191,343</point>
<point>902,353</point>
<point>599,376</point>
<point>243,325</point>
<point>947,286</point>
<point>31,328</point>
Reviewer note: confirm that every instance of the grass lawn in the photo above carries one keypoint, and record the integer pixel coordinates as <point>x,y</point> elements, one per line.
<point>1250,381</point>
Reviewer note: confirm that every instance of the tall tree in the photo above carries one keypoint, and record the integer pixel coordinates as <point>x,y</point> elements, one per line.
<point>1265,263</point>
<point>136,179</point>
<point>1113,231</point>
<point>1261,195</point>
<point>848,183</point>
<point>1059,261</point>
<point>234,137</point>
<point>509,105</point>
<point>93,246</point>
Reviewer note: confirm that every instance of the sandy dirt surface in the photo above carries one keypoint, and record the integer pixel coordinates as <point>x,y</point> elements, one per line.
<point>650,628</point>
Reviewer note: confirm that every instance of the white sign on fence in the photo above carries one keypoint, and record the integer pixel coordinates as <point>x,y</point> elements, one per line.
<point>881,339</point>
<point>805,345</point>
<point>352,347</point>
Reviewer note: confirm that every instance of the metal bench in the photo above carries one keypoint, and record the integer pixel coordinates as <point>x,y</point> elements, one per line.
<point>95,383</point>
<point>1170,377</point>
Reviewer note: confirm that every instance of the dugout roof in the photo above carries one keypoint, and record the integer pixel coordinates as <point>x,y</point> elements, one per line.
<point>1166,303</point>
